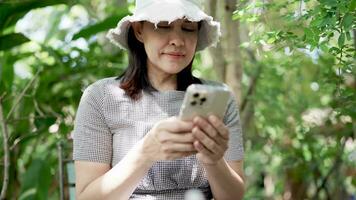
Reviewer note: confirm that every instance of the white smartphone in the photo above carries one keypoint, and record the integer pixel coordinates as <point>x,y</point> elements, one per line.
<point>204,100</point>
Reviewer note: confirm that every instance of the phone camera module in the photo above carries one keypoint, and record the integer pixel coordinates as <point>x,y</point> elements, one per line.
<point>202,100</point>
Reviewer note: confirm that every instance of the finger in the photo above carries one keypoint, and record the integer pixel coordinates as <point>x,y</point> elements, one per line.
<point>177,155</point>
<point>220,126</point>
<point>176,137</point>
<point>177,147</point>
<point>201,149</point>
<point>209,129</point>
<point>176,125</point>
<point>205,126</point>
<point>205,140</point>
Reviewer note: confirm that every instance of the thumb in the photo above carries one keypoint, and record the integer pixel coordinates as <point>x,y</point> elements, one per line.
<point>174,124</point>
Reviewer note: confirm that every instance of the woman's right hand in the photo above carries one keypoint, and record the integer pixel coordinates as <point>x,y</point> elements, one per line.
<point>169,139</point>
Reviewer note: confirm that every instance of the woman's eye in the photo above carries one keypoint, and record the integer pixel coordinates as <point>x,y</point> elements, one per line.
<point>189,29</point>
<point>163,27</point>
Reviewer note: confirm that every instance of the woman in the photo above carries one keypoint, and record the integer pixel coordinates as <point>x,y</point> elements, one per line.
<point>128,142</point>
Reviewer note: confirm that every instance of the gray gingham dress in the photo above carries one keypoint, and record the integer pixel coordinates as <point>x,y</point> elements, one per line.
<point>108,124</point>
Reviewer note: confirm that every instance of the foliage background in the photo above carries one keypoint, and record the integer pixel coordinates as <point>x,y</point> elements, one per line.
<point>297,99</point>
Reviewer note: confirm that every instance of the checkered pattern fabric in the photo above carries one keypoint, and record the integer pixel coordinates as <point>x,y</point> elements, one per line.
<point>108,124</point>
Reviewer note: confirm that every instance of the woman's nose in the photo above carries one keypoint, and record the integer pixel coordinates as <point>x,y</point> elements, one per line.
<point>176,38</point>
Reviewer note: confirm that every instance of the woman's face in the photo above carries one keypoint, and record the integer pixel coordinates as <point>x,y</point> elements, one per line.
<point>169,47</point>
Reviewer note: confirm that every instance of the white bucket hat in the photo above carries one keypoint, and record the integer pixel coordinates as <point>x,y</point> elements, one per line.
<point>155,11</point>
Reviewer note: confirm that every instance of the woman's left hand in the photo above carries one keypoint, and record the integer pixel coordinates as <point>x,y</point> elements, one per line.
<point>212,137</point>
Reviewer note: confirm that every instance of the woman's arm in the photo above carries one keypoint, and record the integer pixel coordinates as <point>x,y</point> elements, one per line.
<point>212,137</point>
<point>168,140</point>
<point>226,179</point>
<point>98,181</point>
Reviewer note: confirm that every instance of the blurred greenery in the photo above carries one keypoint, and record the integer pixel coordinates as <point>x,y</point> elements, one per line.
<point>299,56</point>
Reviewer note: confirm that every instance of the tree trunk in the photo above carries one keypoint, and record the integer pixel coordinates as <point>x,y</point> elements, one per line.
<point>217,52</point>
<point>354,32</point>
<point>226,56</point>
<point>233,73</point>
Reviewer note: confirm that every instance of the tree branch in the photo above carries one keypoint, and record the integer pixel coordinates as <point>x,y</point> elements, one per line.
<point>332,169</point>
<point>354,32</point>
<point>253,82</point>
<point>23,137</point>
<point>17,101</point>
<point>30,118</point>
<point>5,135</point>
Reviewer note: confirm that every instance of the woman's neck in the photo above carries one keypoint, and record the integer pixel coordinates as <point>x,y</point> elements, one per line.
<point>162,81</point>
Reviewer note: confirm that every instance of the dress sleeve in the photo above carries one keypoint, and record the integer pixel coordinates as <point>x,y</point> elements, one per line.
<point>233,122</point>
<point>92,139</point>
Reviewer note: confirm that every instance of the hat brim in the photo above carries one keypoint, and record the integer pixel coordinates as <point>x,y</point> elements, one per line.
<point>209,31</point>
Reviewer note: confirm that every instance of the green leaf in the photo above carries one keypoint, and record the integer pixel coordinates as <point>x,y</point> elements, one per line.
<point>5,10</point>
<point>353,182</point>
<point>1,69</point>
<point>331,3</point>
<point>308,33</point>
<point>348,35</point>
<point>306,153</point>
<point>271,40</point>
<point>104,25</point>
<point>324,47</point>
<point>341,40</point>
<point>11,40</point>
<point>42,123</point>
<point>317,22</point>
<point>6,73</point>
<point>36,181</point>
<point>347,22</point>
<point>352,6</point>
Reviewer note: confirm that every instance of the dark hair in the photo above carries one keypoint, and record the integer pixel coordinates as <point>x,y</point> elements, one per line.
<point>135,78</point>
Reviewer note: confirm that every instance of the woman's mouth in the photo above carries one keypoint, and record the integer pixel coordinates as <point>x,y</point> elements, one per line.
<point>175,55</point>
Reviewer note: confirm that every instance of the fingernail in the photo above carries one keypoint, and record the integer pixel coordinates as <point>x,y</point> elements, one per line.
<point>213,118</point>
<point>198,146</point>
<point>196,119</point>
<point>195,143</point>
<point>195,129</point>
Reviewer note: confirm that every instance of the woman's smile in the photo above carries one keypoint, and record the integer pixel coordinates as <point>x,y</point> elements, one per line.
<point>174,55</point>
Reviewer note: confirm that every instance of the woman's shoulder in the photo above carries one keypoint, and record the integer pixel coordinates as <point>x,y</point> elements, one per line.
<point>104,86</point>
<point>104,82</point>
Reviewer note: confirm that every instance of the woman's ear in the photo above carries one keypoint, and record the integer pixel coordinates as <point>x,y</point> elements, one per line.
<point>137,28</point>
